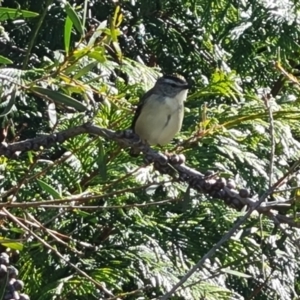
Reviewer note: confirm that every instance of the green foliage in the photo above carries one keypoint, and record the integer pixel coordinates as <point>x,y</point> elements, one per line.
<point>12,14</point>
<point>132,230</point>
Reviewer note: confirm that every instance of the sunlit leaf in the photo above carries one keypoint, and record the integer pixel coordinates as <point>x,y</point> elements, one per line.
<point>4,60</point>
<point>67,34</point>
<point>11,244</point>
<point>235,273</point>
<point>99,30</point>
<point>49,189</point>
<point>9,103</point>
<point>74,18</point>
<point>52,114</point>
<point>85,70</point>
<point>12,13</point>
<point>59,98</point>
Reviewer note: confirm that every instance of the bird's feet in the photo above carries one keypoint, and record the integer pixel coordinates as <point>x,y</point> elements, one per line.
<point>175,158</point>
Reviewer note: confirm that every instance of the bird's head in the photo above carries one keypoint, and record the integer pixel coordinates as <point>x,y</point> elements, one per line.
<point>171,85</point>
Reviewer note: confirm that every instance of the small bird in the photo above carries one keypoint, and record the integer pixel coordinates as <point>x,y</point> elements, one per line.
<point>160,111</point>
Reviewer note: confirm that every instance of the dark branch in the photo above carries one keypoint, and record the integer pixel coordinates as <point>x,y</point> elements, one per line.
<point>212,185</point>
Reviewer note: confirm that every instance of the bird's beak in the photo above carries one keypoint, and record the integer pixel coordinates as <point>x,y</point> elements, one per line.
<point>187,86</point>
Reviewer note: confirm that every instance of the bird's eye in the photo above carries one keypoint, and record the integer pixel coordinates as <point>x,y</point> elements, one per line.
<point>173,85</point>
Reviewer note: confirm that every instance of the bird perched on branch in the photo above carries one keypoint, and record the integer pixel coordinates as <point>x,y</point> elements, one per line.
<point>160,111</point>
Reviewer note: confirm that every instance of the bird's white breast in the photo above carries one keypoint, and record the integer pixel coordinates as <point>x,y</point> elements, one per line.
<point>159,120</point>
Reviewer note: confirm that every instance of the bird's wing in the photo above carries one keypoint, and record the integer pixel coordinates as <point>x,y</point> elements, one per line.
<point>139,108</point>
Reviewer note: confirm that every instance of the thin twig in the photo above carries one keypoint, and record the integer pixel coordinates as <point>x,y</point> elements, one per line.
<point>51,233</point>
<point>111,206</point>
<point>37,175</point>
<point>295,240</point>
<point>267,100</point>
<point>48,246</point>
<point>43,171</point>
<point>224,239</point>
<point>177,170</point>
<point>123,295</point>
<point>35,33</point>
